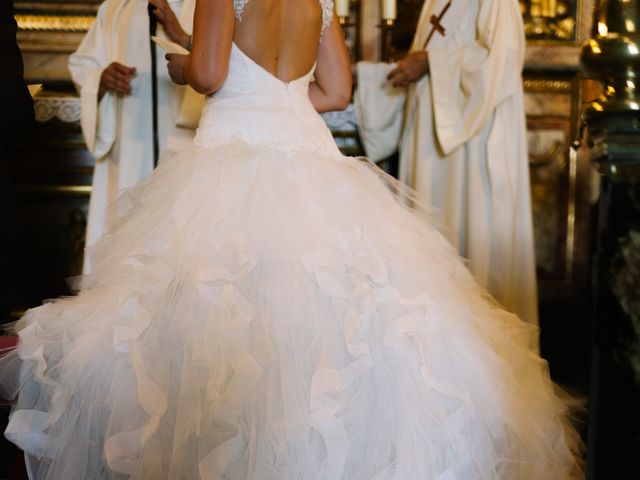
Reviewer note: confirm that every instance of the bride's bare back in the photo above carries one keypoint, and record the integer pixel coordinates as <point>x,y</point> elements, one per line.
<point>282,36</point>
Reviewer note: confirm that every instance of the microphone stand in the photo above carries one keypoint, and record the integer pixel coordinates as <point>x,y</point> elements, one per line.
<point>153,27</point>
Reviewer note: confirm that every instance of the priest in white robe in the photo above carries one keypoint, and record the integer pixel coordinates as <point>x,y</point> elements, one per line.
<point>112,72</point>
<point>463,147</point>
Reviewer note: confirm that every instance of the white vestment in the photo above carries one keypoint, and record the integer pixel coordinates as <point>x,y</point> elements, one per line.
<point>118,129</point>
<point>464,147</point>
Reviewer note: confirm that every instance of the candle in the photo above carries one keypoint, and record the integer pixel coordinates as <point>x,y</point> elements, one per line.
<point>389,10</point>
<point>342,8</point>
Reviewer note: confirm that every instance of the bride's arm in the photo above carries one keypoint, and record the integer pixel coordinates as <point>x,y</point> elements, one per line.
<point>206,68</point>
<point>331,89</point>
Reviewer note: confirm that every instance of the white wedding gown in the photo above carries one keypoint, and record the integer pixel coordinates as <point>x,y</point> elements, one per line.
<point>266,308</point>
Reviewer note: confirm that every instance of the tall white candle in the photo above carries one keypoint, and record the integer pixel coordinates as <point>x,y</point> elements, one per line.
<point>389,11</point>
<point>342,8</point>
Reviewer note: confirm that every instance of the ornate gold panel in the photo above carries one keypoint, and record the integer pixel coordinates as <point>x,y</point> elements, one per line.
<point>57,23</point>
<point>48,31</point>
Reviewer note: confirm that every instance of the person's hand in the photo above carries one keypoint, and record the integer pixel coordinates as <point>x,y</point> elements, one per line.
<point>410,69</point>
<point>176,66</point>
<point>169,22</point>
<point>116,78</point>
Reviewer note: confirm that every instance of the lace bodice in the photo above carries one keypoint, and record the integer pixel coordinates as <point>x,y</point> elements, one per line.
<point>254,107</point>
<point>327,10</point>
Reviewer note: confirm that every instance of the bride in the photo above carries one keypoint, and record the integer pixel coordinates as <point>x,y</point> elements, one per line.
<point>266,308</point>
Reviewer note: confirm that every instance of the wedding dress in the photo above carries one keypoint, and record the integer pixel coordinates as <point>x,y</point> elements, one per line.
<point>266,308</point>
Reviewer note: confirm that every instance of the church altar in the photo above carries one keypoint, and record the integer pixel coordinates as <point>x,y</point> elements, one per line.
<point>49,105</point>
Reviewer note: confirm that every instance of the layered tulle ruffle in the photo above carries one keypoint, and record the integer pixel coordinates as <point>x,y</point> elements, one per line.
<point>262,313</point>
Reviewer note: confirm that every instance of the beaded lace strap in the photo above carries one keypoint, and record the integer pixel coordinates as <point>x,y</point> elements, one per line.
<point>327,11</point>
<point>238,6</point>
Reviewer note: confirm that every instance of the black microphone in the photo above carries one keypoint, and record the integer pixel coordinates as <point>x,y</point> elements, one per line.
<point>153,21</point>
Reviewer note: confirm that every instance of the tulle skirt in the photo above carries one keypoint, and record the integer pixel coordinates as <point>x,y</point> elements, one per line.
<point>260,313</point>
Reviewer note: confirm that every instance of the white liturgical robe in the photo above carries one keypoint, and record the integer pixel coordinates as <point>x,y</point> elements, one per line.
<point>463,148</point>
<point>118,129</point>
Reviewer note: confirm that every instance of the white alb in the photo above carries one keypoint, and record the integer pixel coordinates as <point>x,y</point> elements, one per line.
<point>464,144</point>
<point>116,128</point>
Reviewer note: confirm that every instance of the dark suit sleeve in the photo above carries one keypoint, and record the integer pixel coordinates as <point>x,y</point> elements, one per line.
<point>16,105</point>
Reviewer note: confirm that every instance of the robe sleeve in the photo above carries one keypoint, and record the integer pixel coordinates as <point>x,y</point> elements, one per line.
<point>97,118</point>
<point>468,82</point>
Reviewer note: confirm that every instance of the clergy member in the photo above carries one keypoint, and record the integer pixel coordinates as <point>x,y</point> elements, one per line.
<point>463,147</point>
<point>112,72</point>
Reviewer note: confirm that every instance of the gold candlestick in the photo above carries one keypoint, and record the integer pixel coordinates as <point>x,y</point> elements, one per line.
<point>343,10</point>
<point>344,24</point>
<point>386,37</point>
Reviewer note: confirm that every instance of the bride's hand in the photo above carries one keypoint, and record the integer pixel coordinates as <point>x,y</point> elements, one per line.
<point>176,67</point>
